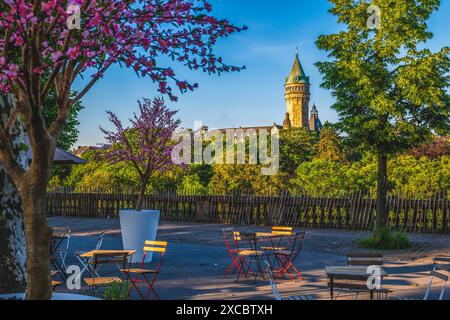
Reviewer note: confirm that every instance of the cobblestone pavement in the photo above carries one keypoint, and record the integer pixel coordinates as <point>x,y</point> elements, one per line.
<point>196,260</point>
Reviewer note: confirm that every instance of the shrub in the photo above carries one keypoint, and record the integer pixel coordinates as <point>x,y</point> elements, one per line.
<point>386,239</point>
<point>117,291</point>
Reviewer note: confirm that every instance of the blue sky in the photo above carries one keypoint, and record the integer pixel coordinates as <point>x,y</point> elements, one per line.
<point>254,96</point>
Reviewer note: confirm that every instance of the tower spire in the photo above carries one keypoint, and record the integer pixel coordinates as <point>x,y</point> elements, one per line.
<point>297,96</point>
<point>297,74</point>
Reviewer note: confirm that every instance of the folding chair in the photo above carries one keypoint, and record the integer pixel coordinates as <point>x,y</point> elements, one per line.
<point>247,256</point>
<point>62,253</point>
<point>286,258</point>
<point>148,276</point>
<point>231,243</point>
<point>100,259</point>
<point>282,233</point>
<point>436,273</point>
<point>59,236</point>
<point>277,293</point>
<point>439,272</point>
<point>85,265</point>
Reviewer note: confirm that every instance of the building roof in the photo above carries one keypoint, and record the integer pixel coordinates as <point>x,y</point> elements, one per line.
<point>61,156</point>
<point>314,122</point>
<point>314,110</point>
<point>256,128</point>
<point>297,74</point>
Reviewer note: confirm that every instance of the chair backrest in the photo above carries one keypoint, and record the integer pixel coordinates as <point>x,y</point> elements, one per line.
<point>100,238</point>
<point>155,247</point>
<point>273,283</point>
<point>440,271</point>
<point>228,236</point>
<point>365,259</point>
<point>237,236</point>
<point>295,242</point>
<point>282,231</point>
<point>58,237</point>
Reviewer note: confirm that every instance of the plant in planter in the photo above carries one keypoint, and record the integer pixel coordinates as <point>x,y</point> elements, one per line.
<point>147,147</point>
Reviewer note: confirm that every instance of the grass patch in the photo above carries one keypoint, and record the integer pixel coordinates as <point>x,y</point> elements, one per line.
<point>386,239</point>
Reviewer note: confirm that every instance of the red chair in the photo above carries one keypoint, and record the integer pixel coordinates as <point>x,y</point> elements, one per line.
<point>232,239</point>
<point>147,276</point>
<point>286,258</point>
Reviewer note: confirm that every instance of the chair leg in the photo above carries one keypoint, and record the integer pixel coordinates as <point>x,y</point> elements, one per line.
<point>242,262</point>
<point>233,266</point>
<point>134,286</point>
<point>281,271</point>
<point>151,288</point>
<point>291,266</point>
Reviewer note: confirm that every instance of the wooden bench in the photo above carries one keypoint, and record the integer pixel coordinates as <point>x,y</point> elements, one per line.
<point>365,259</point>
<point>102,281</point>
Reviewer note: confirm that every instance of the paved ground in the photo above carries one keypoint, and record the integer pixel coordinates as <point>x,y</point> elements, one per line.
<point>196,260</point>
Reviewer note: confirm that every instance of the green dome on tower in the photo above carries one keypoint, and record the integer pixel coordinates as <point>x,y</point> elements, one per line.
<point>297,74</point>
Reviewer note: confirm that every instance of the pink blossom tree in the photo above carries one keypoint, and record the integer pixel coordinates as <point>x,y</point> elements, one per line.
<point>147,145</point>
<point>42,49</point>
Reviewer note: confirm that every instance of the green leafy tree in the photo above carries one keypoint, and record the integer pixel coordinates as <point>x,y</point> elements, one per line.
<point>243,179</point>
<point>192,185</point>
<point>69,135</point>
<point>329,146</point>
<point>419,178</point>
<point>204,172</point>
<point>323,177</point>
<point>391,93</point>
<point>296,147</point>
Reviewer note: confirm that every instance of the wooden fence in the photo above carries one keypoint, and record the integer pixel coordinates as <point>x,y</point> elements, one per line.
<point>355,212</point>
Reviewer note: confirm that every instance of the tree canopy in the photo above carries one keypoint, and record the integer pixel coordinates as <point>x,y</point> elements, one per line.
<point>390,90</point>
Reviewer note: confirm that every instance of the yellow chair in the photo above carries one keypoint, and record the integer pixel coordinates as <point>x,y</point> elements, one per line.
<point>144,275</point>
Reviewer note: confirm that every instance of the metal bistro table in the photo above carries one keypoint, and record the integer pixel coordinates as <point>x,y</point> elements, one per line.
<point>254,238</point>
<point>358,273</point>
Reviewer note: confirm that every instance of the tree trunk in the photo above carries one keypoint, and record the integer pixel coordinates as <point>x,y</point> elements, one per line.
<point>38,235</point>
<point>12,240</point>
<point>382,191</point>
<point>142,189</point>
<point>33,190</point>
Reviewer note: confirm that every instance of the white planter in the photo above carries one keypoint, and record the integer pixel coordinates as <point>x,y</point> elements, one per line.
<point>138,227</point>
<point>55,296</point>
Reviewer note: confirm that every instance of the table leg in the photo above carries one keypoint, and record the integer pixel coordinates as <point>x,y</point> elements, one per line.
<point>332,287</point>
